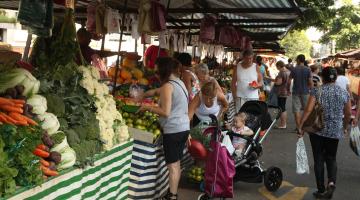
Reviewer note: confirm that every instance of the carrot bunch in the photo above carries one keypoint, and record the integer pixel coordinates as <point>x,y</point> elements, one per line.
<point>11,112</point>
<point>48,168</point>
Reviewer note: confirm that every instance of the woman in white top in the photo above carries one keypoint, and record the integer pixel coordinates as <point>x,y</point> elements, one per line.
<point>245,73</point>
<point>202,72</point>
<point>208,101</point>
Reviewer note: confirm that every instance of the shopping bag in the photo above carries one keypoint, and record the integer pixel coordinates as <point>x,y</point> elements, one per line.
<point>302,164</point>
<point>112,19</point>
<point>355,140</point>
<point>228,144</point>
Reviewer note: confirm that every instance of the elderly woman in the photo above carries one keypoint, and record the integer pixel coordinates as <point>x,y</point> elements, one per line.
<point>335,103</point>
<point>208,101</point>
<point>202,72</point>
<point>174,120</point>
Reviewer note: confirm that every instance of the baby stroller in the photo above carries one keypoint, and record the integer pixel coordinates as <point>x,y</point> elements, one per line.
<point>248,168</point>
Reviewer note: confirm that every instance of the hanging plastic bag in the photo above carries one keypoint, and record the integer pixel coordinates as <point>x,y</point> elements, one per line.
<point>228,144</point>
<point>302,164</point>
<point>355,140</point>
<point>91,17</point>
<point>135,91</point>
<point>112,20</point>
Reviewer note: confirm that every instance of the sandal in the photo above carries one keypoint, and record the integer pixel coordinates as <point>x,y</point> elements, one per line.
<point>169,196</point>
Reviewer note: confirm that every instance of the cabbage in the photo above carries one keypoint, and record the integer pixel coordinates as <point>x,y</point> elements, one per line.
<point>19,76</point>
<point>68,158</point>
<point>49,122</point>
<point>38,103</point>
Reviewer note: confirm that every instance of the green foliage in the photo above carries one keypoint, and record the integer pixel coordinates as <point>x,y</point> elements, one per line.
<point>295,43</point>
<point>85,151</point>
<point>19,142</point>
<point>317,14</point>
<point>7,174</point>
<point>345,28</point>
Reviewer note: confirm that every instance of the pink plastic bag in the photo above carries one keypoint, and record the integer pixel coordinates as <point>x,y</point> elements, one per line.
<point>207,29</point>
<point>219,171</point>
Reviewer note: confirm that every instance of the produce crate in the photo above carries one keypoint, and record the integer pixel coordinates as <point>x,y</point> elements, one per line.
<point>107,179</point>
<point>149,174</point>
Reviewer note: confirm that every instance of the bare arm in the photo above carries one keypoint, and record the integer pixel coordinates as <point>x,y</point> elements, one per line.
<point>224,104</point>
<point>247,132</point>
<point>233,83</point>
<point>347,114</point>
<point>194,104</point>
<point>165,98</point>
<point>187,81</point>
<point>309,107</point>
<point>151,93</point>
<point>259,77</point>
<point>104,54</point>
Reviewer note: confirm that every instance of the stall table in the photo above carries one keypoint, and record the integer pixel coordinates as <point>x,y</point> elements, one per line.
<point>107,179</point>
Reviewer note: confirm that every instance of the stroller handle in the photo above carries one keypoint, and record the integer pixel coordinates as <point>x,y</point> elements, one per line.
<point>279,111</point>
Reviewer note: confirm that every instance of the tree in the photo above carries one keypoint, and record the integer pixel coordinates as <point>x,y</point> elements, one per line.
<point>344,29</point>
<point>295,43</point>
<point>316,14</point>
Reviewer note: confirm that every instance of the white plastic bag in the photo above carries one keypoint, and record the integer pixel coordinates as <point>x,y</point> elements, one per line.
<point>355,140</point>
<point>302,165</point>
<point>228,144</point>
<point>112,20</point>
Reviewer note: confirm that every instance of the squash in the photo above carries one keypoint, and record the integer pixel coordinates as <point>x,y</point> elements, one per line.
<point>129,63</point>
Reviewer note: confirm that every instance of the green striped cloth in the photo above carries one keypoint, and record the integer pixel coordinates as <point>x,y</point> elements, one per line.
<point>107,179</point>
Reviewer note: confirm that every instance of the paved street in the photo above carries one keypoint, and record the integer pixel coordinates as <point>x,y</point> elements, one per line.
<point>279,150</point>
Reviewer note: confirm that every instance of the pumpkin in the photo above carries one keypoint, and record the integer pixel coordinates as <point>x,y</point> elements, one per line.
<point>197,150</point>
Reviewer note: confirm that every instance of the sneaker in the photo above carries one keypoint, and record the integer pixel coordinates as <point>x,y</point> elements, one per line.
<point>329,191</point>
<point>319,195</point>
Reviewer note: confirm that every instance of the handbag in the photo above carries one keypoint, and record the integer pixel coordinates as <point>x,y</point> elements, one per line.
<point>315,122</point>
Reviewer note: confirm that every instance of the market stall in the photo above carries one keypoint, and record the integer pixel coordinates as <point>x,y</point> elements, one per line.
<point>85,142</point>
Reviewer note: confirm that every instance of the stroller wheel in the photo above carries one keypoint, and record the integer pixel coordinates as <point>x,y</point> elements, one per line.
<point>203,197</point>
<point>273,178</point>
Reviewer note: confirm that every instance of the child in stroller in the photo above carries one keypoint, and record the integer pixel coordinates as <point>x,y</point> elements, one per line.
<point>240,129</point>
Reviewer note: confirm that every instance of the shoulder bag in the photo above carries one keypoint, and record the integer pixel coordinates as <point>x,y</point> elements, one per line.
<point>315,122</point>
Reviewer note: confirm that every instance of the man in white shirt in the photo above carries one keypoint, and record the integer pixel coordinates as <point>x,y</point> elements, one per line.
<point>341,80</point>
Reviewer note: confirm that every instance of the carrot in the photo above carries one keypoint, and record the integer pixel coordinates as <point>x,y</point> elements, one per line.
<point>41,153</point>
<point>49,172</point>
<point>11,108</point>
<point>8,118</point>
<point>43,147</point>
<point>18,101</point>
<point>3,119</point>
<point>5,101</point>
<point>21,118</point>
<point>29,120</point>
<point>19,105</point>
<point>44,163</point>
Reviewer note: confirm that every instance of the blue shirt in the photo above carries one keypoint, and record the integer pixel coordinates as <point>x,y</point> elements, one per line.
<point>301,76</point>
<point>333,100</point>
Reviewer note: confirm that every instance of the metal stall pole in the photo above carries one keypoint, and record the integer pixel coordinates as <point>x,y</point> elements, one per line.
<point>27,47</point>
<point>118,56</point>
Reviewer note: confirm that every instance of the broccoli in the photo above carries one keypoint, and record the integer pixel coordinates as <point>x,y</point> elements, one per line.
<point>86,150</point>
<point>72,137</point>
<point>55,105</point>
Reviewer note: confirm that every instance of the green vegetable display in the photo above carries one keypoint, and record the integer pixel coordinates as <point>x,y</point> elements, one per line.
<point>7,174</point>
<point>19,144</point>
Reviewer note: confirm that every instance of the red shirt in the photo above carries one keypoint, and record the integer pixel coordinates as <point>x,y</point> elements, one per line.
<point>152,54</point>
